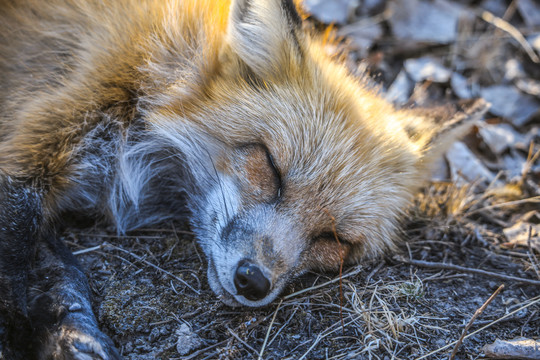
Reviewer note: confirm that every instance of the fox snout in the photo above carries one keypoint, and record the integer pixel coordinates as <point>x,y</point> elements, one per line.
<point>250,281</point>
<point>256,253</point>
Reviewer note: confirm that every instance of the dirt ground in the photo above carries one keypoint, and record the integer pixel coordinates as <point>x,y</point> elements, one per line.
<point>471,230</point>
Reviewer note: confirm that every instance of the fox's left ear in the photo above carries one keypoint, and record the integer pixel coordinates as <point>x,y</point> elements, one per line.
<point>265,34</point>
<point>441,133</point>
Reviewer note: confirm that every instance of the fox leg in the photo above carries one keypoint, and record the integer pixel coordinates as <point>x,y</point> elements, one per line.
<point>19,229</point>
<point>45,310</point>
<point>60,310</point>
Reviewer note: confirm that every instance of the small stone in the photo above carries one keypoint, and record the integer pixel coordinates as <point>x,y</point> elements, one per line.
<point>154,335</point>
<point>520,348</point>
<point>508,102</point>
<point>187,340</point>
<point>426,68</point>
<point>460,86</point>
<point>400,90</point>
<point>362,35</point>
<point>331,12</point>
<point>513,164</point>
<point>496,7</point>
<point>440,342</point>
<point>425,21</point>
<point>499,137</point>
<point>513,70</point>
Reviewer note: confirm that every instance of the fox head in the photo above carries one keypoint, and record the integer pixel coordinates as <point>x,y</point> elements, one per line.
<point>296,164</point>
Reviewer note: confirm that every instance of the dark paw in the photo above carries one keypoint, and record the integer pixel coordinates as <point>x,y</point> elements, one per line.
<point>82,344</point>
<point>76,337</point>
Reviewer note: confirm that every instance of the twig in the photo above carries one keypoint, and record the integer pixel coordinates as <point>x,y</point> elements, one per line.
<point>108,236</point>
<point>532,316</point>
<point>476,314</point>
<point>155,267</point>
<point>533,302</point>
<point>242,341</point>
<point>268,332</point>
<point>533,199</point>
<point>173,230</point>
<point>283,326</point>
<point>531,159</point>
<point>433,265</point>
<point>84,251</point>
<point>373,272</point>
<point>354,272</point>
<point>202,351</point>
<point>511,30</point>
<point>530,253</point>
<point>323,335</point>
<point>162,322</point>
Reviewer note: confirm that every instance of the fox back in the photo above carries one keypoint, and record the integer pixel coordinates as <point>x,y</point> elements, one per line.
<point>232,114</point>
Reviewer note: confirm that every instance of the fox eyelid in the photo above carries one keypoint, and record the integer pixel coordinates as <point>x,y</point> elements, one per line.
<point>276,172</point>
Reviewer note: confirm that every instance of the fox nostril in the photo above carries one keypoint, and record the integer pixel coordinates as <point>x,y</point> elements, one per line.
<point>250,281</point>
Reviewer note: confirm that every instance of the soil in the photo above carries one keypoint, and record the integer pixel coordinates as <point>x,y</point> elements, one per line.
<point>389,309</point>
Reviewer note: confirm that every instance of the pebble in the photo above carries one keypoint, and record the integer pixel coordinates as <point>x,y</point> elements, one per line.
<point>187,340</point>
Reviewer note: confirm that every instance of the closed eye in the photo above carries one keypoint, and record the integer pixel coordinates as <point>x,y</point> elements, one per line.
<point>256,170</point>
<point>276,173</point>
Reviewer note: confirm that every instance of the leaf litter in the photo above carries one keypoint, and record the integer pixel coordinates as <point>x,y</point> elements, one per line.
<point>475,225</point>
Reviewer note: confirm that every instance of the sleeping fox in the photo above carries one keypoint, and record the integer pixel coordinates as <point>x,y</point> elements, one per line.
<point>230,114</point>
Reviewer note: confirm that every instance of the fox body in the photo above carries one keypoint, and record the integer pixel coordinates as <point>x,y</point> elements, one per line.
<point>231,114</point>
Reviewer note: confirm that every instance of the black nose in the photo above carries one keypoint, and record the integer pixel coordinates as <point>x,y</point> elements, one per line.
<point>250,281</point>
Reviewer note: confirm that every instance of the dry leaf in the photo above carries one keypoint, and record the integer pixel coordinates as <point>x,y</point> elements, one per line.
<point>331,12</point>
<point>508,102</point>
<point>461,86</point>
<point>500,137</point>
<point>521,348</point>
<point>518,235</point>
<point>426,68</point>
<point>401,89</point>
<point>465,166</point>
<point>425,21</point>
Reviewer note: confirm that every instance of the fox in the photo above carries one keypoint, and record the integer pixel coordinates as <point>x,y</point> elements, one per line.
<point>231,114</point>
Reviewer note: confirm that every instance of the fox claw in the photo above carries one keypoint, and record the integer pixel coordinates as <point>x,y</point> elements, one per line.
<point>82,344</point>
<point>77,337</point>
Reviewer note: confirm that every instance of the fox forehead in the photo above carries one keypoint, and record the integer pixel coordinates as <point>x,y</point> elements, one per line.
<point>338,147</point>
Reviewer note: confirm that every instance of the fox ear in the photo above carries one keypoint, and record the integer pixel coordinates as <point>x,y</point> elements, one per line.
<point>441,136</point>
<point>264,34</point>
